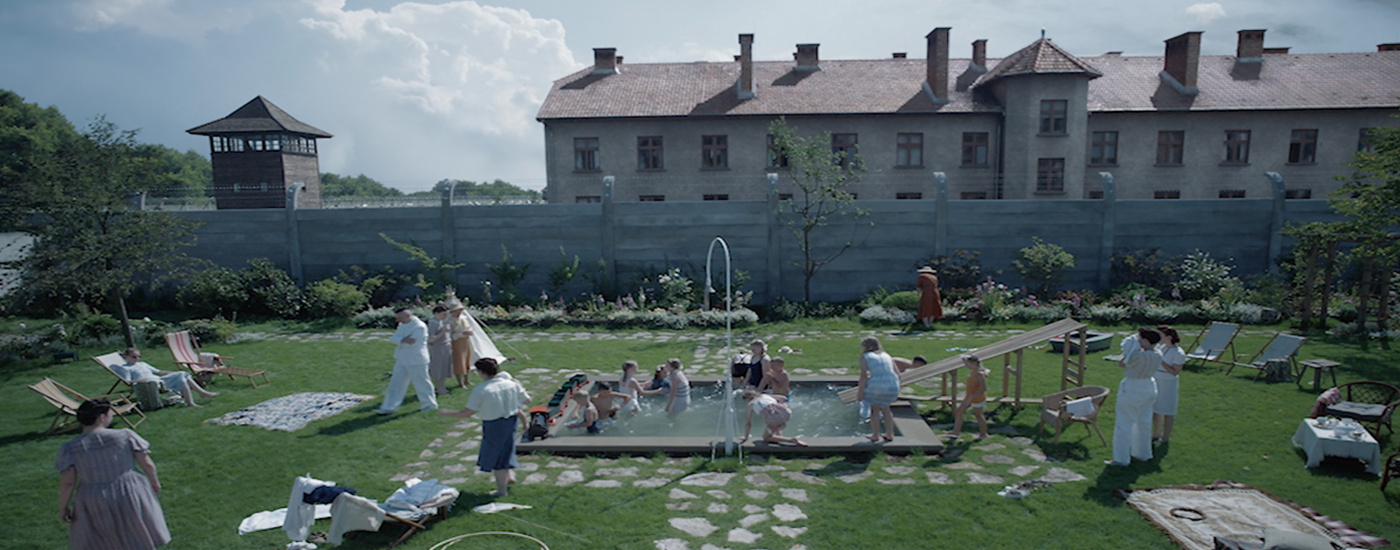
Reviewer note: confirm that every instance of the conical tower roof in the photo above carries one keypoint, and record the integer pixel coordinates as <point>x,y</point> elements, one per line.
<point>258,115</point>
<point>1041,57</point>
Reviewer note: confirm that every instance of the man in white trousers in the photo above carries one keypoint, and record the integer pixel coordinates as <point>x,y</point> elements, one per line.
<point>410,364</point>
<point>1132,420</point>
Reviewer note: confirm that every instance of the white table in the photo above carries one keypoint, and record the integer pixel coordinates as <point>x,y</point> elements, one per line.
<point>1318,442</point>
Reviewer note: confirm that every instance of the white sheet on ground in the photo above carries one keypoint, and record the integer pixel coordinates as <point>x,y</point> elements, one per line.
<point>272,519</point>
<point>493,507</point>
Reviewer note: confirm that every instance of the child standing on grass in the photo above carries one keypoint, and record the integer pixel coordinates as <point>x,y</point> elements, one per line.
<point>975,398</point>
<point>775,415</point>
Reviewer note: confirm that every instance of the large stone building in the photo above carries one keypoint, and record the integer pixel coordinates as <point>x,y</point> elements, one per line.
<point>1038,124</point>
<point>257,152</point>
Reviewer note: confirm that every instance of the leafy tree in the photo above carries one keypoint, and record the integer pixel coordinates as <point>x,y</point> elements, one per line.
<point>1042,266</point>
<point>359,186</point>
<point>820,176</point>
<point>29,135</point>
<point>186,174</point>
<point>1371,196</point>
<point>90,243</point>
<point>498,190</point>
<point>438,272</point>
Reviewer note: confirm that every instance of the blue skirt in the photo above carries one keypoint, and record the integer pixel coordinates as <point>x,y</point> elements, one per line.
<point>497,445</point>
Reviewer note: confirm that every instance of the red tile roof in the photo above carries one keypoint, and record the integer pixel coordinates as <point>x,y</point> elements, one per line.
<point>891,86</point>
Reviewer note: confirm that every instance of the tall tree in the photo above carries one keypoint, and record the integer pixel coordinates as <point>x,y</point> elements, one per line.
<point>820,173</point>
<point>28,134</point>
<point>333,185</point>
<point>1370,198</point>
<point>91,243</point>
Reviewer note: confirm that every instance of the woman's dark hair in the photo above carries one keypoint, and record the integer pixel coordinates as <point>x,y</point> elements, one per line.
<point>1150,335</point>
<point>439,309</point>
<point>1170,332</point>
<point>487,366</point>
<point>91,410</point>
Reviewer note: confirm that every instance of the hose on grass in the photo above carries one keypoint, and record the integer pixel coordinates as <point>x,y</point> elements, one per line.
<point>454,540</point>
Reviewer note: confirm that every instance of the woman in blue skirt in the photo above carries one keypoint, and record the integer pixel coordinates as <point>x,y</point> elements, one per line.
<point>500,403</point>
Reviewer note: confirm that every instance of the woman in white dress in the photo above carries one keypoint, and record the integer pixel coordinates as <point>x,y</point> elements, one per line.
<point>1166,377</point>
<point>1132,418</point>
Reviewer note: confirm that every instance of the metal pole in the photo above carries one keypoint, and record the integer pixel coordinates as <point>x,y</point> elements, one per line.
<point>727,415</point>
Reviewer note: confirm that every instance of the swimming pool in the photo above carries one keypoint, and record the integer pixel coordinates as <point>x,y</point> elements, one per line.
<point>818,417</point>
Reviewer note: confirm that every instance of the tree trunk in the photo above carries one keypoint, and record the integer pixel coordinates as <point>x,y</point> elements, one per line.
<point>1363,295</point>
<point>1327,283</point>
<point>1309,276</point>
<point>121,315</point>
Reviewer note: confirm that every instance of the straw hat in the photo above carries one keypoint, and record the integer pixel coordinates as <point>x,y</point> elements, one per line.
<point>927,269</point>
<point>454,305</point>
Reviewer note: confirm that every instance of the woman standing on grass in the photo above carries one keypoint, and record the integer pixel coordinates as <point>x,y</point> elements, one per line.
<point>879,386</point>
<point>1132,416</point>
<point>461,341</point>
<point>499,402</point>
<point>439,350</point>
<point>115,505</point>
<point>1167,379</point>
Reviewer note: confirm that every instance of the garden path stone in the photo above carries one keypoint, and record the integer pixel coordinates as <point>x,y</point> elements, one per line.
<point>939,478</point>
<point>678,506</point>
<point>422,464</point>
<point>899,470</point>
<point>651,482</point>
<point>569,477</point>
<point>603,483</point>
<point>1004,430</point>
<point>769,468</point>
<point>963,466</point>
<point>455,481</point>
<point>535,478</point>
<point>677,461</point>
<point>454,434</point>
<point>789,532</point>
<point>1023,471</point>
<point>895,481</point>
<point>998,459</point>
<point>1019,440</point>
<point>709,546</point>
<point>984,479</point>
<point>760,480</point>
<point>427,454</point>
<point>1061,475</point>
<point>990,447</point>
<point>751,520</point>
<point>435,443</point>
<point>851,476</point>
<point>707,479</point>
<point>755,494</point>
<point>1035,454</point>
<point>557,464</point>
<point>469,458</point>
<point>605,462</point>
<point>718,494</point>
<point>641,460</point>
<point>467,444</point>
<point>809,479</point>
<point>799,495</point>
<point>670,471</point>
<point>630,471</point>
<point>743,535</point>
<point>454,468</point>
<point>695,527</point>
<point>528,467</point>
<point>454,454</point>
<point>788,512</point>
<point>679,494</point>
<point>717,508</point>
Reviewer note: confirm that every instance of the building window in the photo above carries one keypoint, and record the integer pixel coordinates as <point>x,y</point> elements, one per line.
<point>1167,194</point>
<point>1302,149</point>
<point>1366,143</point>
<point>1103,148</point>
<point>1096,195</point>
<point>1052,116</point>
<point>649,153</point>
<point>909,150</point>
<point>586,154</point>
<point>714,151</point>
<point>908,196</point>
<point>587,198</point>
<point>722,197</point>
<point>1232,193</point>
<point>974,195</point>
<point>1297,193</point>
<point>651,198</point>
<point>1170,146</point>
<point>974,149</point>
<point>1236,146</point>
<point>1050,176</point>
<point>776,158</point>
<point>843,149</point>
<point>784,196</point>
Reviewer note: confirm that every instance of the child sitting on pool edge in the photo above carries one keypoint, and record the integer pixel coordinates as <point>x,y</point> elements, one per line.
<point>585,414</point>
<point>775,415</point>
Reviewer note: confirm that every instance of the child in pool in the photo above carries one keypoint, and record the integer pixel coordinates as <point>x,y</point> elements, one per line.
<point>585,414</point>
<point>658,379</point>
<point>775,415</point>
<point>679,399</point>
<point>605,400</point>
<point>775,381</point>
<point>630,387</point>
<point>975,399</point>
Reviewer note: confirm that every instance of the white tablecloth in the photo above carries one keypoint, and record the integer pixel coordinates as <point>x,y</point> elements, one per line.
<point>1318,442</point>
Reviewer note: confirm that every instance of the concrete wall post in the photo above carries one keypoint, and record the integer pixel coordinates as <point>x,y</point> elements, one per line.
<point>294,232</point>
<point>940,214</point>
<point>1110,221</point>
<point>774,277</point>
<point>608,243</point>
<point>449,228</point>
<point>1276,225</point>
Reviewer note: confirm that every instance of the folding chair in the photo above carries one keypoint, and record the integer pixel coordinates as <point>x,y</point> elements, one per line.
<point>1212,342</point>
<point>186,353</point>
<point>67,402</point>
<point>1280,347</point>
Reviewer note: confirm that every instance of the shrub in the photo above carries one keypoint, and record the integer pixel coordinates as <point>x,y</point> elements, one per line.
<point>715,318</point>
<point>214,290</point>
<point>1161,314</point>
<point>209,331</point>
<point>1145,267</point>
<point>907,301</point>
<point>1251,314</point>
<point>507,275</point>
<point>1107,314</point>
<point>1039,314</point>
<point>271,290</point>
<point>1269,290</point>
<point>874,297</point>
<point>1202,276</point>
<point>962,270</point>
<point>783,310</point>
<point>379,286</point>
<point>1042,266</point>
<point>94,326</point>
<point>330,299</point>
<point>886,315</point>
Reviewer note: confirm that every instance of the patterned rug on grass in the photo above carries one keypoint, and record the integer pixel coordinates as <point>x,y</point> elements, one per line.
<point>292,412</point>
<point>1193,515</point>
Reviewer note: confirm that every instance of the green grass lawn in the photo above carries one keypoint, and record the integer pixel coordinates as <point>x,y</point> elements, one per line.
<point>1230,428</point>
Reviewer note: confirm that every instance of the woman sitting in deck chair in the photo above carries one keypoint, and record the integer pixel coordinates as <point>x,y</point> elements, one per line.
<point>136,370</point>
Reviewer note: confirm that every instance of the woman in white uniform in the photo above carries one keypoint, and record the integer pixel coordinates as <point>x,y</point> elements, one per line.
<point>1132,421</point>
<point>1164,410</point>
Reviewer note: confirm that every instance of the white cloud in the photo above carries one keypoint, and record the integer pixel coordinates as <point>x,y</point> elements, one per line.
<point>185,21</point>
<point>1205,13</point>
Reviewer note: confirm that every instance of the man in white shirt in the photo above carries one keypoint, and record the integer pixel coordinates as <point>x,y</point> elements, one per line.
<point>410,364</point>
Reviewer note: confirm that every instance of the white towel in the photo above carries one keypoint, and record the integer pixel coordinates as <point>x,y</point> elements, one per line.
<point>353,513</point>
<point>272,519</point>
<point>301,515</point>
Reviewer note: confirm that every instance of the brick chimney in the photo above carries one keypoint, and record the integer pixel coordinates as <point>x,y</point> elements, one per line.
<point>605,61</point>
<point>936,82</point>
<point>1391,47</point>
<point>745,85</point>
<point>979,54</point>
<point>806,58</point>
<point>1183,58</point>
<point>1251,46</point>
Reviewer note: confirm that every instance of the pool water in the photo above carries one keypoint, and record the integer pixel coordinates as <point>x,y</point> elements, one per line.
<point>816,412</point>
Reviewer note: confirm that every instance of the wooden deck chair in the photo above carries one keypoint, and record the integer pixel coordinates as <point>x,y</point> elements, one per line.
<point>67,402</point>
<point>1052,410</point>
<point>1212,342</point>
<point>109,361</point>
<point>186,352</point>
<point>1281,346</point>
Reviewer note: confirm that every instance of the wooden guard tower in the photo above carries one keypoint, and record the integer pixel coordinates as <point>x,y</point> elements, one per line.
<point>259,151</point>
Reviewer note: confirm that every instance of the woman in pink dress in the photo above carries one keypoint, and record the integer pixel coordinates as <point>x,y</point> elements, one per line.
<point>114,506</point>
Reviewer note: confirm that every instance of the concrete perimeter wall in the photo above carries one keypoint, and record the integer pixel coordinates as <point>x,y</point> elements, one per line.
<point>633,238</point>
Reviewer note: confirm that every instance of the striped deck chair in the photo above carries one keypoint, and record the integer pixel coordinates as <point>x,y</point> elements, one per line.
<point>186,352</point>
<point>67,402</point>
<point>1212,342</point>
<point>1281,346</point>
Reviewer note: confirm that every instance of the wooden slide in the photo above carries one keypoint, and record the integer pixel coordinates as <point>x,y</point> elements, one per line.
<point>1014,344</point>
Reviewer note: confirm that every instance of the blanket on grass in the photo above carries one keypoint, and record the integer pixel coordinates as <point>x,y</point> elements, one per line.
<point>291,412</point>
<point>1192,515</point>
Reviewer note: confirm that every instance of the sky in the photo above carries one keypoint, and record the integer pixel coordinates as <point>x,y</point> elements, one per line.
<point>419,92</point>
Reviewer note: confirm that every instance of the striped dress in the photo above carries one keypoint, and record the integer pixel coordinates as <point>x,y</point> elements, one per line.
<point>882,383</point>
<point>114,506</point>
